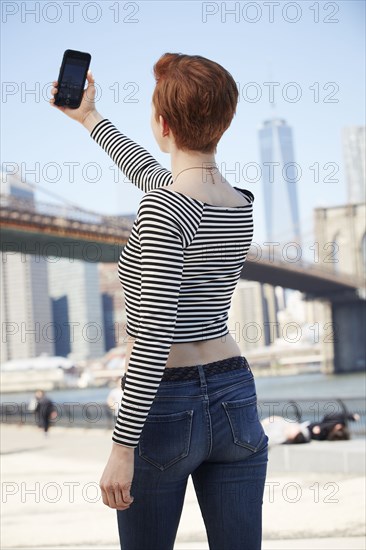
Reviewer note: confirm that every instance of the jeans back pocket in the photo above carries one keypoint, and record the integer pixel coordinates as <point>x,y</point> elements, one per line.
<point>246,428</point>
<point>165,438</point>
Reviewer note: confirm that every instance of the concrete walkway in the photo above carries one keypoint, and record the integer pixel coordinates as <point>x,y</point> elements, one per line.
<point>51,497</point>
<point>326,457</point>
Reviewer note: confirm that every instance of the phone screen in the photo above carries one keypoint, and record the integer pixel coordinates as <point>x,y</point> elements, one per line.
<point>72,80</point>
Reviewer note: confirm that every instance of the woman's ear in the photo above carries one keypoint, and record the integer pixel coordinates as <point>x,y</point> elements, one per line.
<point>164,127</point>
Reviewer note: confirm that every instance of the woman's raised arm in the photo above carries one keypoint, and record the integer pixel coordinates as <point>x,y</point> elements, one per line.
<point>133,160</point>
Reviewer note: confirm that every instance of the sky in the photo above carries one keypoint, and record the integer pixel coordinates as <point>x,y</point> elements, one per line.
<point>319,46</point>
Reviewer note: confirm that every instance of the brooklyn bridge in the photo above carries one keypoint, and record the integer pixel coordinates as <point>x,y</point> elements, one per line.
<point>57,230</point>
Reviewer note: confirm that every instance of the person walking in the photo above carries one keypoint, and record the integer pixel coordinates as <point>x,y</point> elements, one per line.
<point>45,411</point>
<point>189,405</point>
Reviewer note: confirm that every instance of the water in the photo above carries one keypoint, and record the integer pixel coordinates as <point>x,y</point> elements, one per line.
<point>312,386</point>
<point>315,395</point>
<point>301,386</point>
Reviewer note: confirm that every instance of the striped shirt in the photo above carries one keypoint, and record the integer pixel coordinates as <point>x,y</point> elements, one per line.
<point>178,270</point>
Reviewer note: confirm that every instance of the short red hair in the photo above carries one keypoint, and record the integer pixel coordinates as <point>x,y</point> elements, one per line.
<point>197,97</point>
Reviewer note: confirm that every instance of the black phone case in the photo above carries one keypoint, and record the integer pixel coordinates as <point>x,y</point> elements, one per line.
<point>65,102</point>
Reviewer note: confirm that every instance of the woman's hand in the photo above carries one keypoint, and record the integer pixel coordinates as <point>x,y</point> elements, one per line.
<point>116,480</point>
<point>87,105</point>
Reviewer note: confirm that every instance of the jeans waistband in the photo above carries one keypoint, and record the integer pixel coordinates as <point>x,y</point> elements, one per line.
<point>192,372</point>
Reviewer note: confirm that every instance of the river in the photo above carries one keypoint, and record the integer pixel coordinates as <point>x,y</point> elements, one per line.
<point>300,386</point>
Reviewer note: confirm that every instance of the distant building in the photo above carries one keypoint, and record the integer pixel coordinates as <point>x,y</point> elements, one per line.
<point>279,178</point>
<point>26,314</point>
<point>354,154</point>
<point>12,184</point>
<point>252,320</point>
<point>341,236</point>
<point>300,320</point>
<point>281,212</point>
<point>254,325</point>
<point>113,303</point>
<point>77,308</point>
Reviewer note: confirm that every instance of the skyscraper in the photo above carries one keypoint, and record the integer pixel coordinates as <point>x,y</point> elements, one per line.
<point>26,316</point>
<point>279,176</point>
<point>77,308</point>
<point>354,154</point>
<point>114,310</point>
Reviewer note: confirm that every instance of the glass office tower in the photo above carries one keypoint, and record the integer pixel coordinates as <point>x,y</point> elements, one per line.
<point>279,176</point>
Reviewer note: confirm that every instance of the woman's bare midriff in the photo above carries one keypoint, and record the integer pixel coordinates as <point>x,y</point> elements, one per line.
<point>190,354</point>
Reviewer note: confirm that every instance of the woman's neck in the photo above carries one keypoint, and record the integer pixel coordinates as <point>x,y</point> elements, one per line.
<point>181,160</point>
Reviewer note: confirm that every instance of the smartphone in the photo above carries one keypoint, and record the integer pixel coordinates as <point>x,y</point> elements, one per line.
<point>72,77</point>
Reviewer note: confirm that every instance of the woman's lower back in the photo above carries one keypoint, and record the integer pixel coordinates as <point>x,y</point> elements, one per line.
<point>197,353</point>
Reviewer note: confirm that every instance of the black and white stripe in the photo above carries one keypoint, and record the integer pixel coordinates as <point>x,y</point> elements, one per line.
<point>178,269</point>
<point>133,160</point>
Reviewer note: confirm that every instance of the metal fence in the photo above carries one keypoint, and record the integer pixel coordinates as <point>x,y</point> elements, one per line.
<point>98,415</point>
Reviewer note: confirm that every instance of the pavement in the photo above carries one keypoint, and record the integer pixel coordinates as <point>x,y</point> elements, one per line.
<point>314,497</point>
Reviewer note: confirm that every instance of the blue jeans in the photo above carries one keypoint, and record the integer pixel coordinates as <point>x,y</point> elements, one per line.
<point>209,429</point>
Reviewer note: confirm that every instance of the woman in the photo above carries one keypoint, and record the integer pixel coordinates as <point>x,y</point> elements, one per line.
<point>189,402</point>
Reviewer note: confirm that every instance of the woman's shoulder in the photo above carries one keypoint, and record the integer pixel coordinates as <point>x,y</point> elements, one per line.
<point>170,211</point>
<point>246,193</point>
<point>173,205</point>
